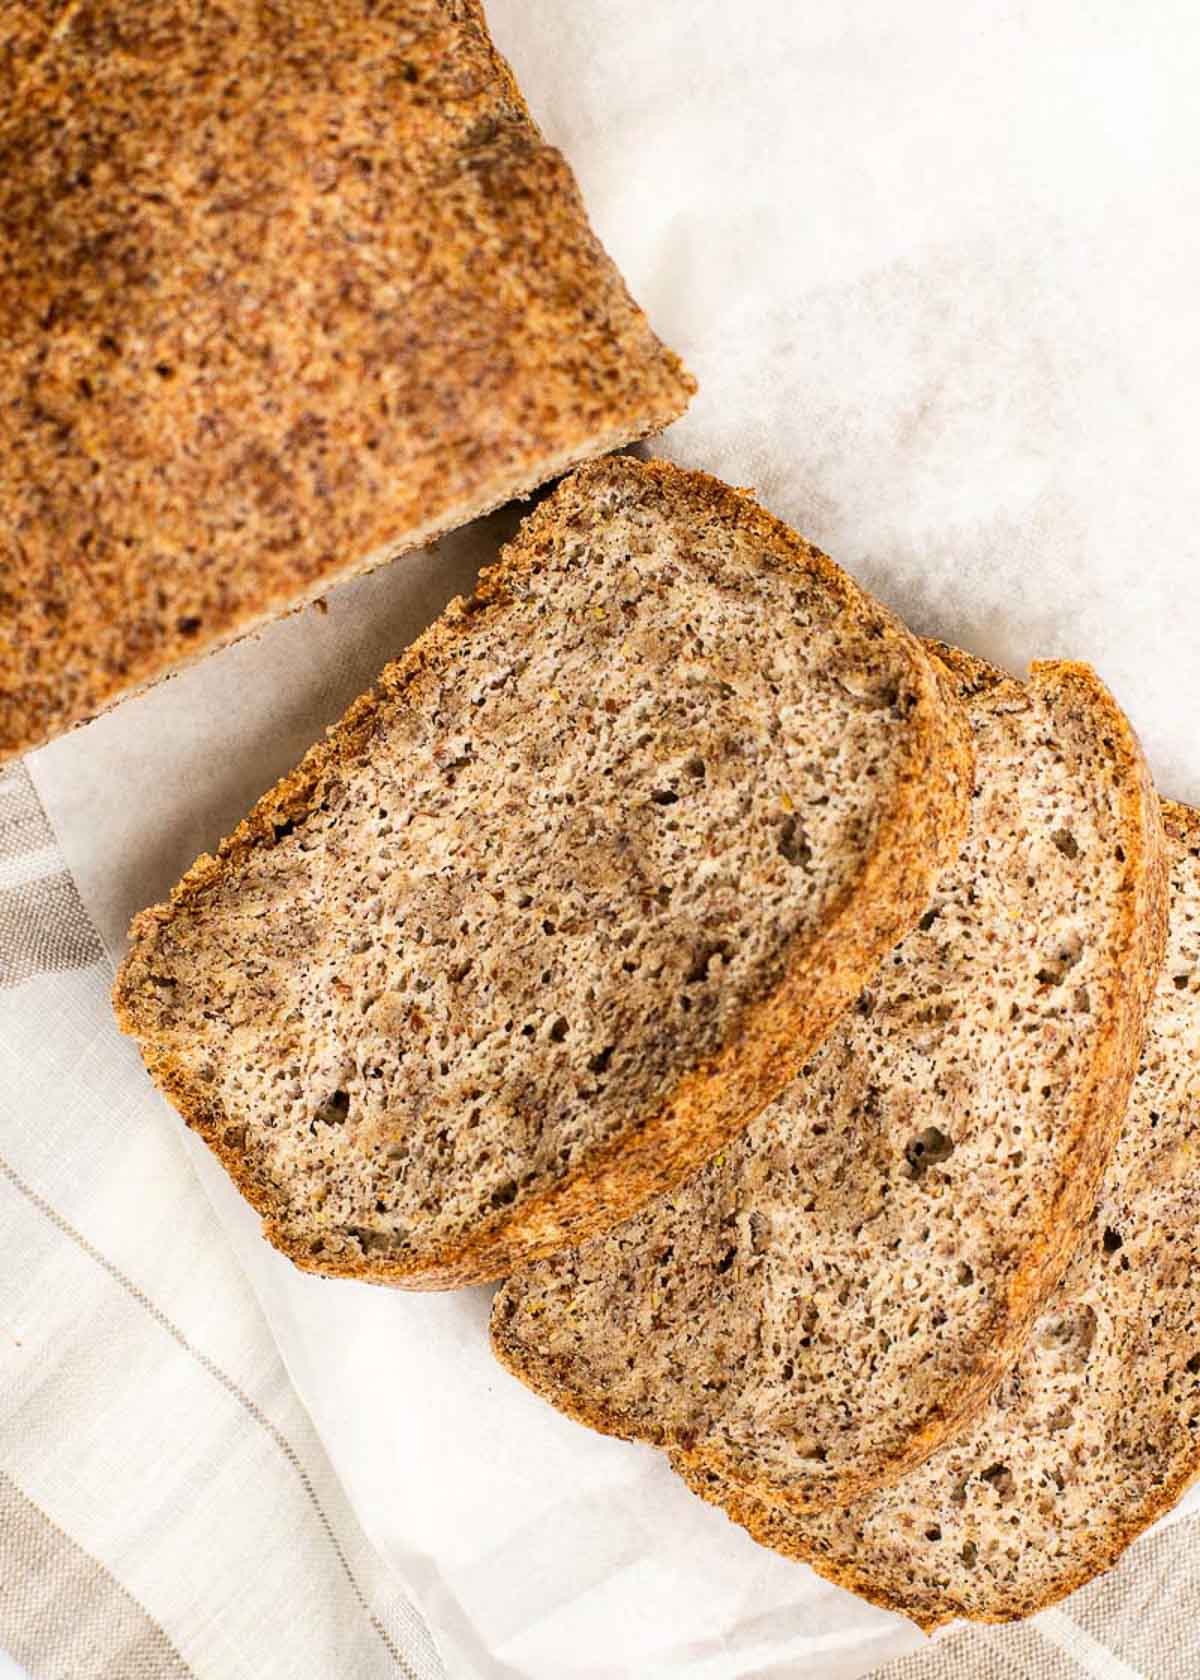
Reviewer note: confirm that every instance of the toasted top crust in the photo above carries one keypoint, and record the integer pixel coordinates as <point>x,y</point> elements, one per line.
<point>563,901</point>
<point>284,290</point>
<point>842,1288</point>
<point>1096,1432</point>
<point>26,32</point>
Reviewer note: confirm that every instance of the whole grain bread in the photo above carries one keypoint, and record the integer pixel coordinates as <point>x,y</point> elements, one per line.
<point>1096,1432</point>
<point>840,1290</point>
<point>285,289</point>
<point>566,899</point>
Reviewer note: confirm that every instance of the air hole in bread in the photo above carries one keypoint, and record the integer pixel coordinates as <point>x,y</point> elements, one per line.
<point>999,1477</point>
<point>929,1148</point>
<point>793,842</point>
<point>335,1108</point>
<point>714,951</point>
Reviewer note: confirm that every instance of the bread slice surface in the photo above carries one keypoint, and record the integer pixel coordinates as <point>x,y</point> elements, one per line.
<point>284,291</point>
<point>838,1292</point>
<point>564,900</point>
<point>1095,1433</point>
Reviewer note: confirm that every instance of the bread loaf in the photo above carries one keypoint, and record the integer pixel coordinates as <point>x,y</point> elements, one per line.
<point>284,291</point>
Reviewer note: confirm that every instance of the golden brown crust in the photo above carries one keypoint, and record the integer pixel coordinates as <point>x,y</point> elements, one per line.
<point>781,1532</point>
<point>27,33</point>
<point>1093,1124</point>
<point>916,838</point>
<point>284,291</point>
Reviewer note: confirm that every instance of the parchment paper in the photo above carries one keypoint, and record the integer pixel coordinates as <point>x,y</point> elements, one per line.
<point>936,269</point>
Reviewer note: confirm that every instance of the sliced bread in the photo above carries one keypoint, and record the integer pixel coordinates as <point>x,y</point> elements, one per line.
<point>284,291</point>
<point>839,1290</point>
<point>1096,1432</point>
<point>556,908</point>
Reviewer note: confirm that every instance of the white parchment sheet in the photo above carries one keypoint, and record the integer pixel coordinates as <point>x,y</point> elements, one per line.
<point>937,269</point>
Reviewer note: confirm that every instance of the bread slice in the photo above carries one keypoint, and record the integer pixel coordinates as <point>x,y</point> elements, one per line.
<point>284,291</point>
<point>1096,1432</point>
<point>840,1290</point>
<point>564,900</point>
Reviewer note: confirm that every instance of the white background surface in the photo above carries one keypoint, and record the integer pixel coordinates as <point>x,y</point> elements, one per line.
<point>936,269</point>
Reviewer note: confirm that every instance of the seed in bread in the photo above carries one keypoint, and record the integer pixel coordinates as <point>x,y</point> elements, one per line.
<point>564,900</point>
